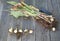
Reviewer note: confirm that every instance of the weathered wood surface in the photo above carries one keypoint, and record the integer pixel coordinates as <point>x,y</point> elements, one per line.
<point>40,33</point>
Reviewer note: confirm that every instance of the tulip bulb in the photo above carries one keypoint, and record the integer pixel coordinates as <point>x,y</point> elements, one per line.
<point>15,31</point>
<point>53,29</point>
<point>20,30</point>
<point>30,31</point>
<point>11,30</point>
<point>26,30</point>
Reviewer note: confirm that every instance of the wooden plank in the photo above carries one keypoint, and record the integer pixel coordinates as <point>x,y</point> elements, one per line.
<point>28,24</point>
<point>41,4</point>
<point>56,12</point>
<point>50,10</point>
<point>1,7</point>
<point>29,2</point>
<point>4,26</point>
<point>6,22</point>
<point>41,33</point>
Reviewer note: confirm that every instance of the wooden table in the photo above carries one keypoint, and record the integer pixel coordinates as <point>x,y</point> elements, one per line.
<point>40,33</point>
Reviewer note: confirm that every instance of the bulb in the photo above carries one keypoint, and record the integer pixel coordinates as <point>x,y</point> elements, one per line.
<point>15,31</point>
<point>30,31</point>
<point>26,30</point>
<point>20,30</point>
<point>52,19</point>
<point>53,29</point>
<point>11,30</point>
